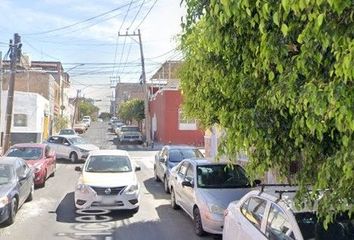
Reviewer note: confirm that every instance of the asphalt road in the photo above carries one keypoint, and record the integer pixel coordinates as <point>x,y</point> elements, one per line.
<point>52,215</point>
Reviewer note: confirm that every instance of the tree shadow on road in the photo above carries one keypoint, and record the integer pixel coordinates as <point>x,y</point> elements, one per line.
<point>156,189</point>
<point>67,213</point>
<point>171,225</point>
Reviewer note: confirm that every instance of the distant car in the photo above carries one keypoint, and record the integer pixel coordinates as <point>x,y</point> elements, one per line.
<point>271,214</point>
<point>67,131</point>
<point>204,189</point>
<point>69,147</point>
<point>108,181</point>
<point>130,134</point>
<point>80,127</point>
<point>114,124</point>
<point>87,119</point>
<point>39,157</point>
<point>16,186</point>
<point>170,156</point>
<point>86,122</point>
<point>112,120</point>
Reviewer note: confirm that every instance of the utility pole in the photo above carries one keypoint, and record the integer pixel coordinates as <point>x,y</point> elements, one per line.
<point>146,87</point>
<point>76,107</point>
<point>15,55</point>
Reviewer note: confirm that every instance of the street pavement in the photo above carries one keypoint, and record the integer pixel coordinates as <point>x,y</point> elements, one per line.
<point>52,214</point>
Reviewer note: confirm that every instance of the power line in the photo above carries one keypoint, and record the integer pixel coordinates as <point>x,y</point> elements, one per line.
<point>152,6</point>
<point>83,21</point>
<point>137,13</point>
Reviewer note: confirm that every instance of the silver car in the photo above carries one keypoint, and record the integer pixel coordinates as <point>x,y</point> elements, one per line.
<point>70,147</point>
<point>204,189</point>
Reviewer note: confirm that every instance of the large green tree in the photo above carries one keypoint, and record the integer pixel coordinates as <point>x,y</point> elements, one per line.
<point>132,110</point>
<point>86,108</point>
<point>278,76</point>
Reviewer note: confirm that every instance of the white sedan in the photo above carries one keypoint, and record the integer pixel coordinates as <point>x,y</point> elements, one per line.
<point>108,181</point>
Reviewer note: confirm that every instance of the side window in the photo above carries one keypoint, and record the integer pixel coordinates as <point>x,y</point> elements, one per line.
<point>253,209</point>
<point>54,140</point>
<point>183,169</point>
<point>278,227</point>
<point>64,141</point>
<point>20,168</point>
<point>190,174</point>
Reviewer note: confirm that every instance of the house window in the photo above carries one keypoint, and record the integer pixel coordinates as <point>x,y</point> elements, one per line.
<point>184,123</point>
<point>20,120</point>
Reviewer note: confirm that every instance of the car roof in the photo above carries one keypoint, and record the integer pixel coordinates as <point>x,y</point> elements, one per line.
<point>109,152</point>
<point>9,160</point>
<point>180,147</point>
<point>41,145</point>
<point>205,161</point>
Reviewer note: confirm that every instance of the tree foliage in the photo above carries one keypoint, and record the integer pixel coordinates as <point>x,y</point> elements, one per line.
<point>105,115</point>
<point>60,123</point>
<point>278,76</point>
<point>87,108</point>
<point>132,110</point>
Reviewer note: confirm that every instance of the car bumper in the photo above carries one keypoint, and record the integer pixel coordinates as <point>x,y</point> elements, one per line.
<point>4,213</point>
<point>39,178</point>
<point>213,223</point>
<point>109,202</point>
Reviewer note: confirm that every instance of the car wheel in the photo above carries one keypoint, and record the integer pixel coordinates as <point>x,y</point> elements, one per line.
<point>12,211</point>
<point>165,185</point>
<point>30,195</point>
<point>174,205</point>
<point>198,226</point>
<point>157,179</point>
<point>73,157</point>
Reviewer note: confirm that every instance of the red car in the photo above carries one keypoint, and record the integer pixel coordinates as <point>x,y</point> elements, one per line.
<point>39,157</point>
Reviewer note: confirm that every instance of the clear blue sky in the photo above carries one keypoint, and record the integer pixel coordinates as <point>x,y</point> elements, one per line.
<point>82,34</point>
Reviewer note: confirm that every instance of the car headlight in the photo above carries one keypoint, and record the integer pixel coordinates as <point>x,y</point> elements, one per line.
<point>82,188</point>
<point>83,150</point>
<point>37,167</point>
<point>213,208</point>
<point>132,188</point>
<point>4,201</point>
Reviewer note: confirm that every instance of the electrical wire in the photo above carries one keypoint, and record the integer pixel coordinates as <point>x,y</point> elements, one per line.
<point>136,15</point>
<point>152,6</point>
<point>83,21</point>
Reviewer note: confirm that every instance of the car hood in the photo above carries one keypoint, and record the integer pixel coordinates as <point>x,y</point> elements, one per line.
<point>172,164</point>
<point>33,163</point>
<point>224,196</point>
<point>88,147</point>
<point>108,179</point>
<point>5,189</point>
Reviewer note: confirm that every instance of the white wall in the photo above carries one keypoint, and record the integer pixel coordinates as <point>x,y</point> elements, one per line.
<point>31,104</point>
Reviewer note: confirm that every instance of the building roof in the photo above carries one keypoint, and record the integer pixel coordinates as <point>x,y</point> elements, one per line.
<point>168,70</point>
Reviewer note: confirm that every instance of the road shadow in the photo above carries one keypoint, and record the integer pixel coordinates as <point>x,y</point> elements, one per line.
<point>156,189</point>
<point>171,225</point>
<point>67,213</point>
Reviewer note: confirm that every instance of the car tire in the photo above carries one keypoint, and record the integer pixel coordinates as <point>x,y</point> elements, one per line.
<point>12,211</point>
<point>174,205</point>
<point>197,219</point>
<point>73,157</point>
<point>30,195</point>
<point>157,179</point>
<point>165,185</point>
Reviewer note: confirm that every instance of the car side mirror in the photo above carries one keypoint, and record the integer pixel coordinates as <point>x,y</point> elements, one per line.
<point>137,168</point>
<point>78,169</point>
<point>162,159</point>
<point>187,184</point>
<point>22,177</point>
<point>67,144</point>
<point>257,182</point>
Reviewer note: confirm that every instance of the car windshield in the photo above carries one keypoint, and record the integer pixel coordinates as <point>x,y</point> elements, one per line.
<point>6,173</point>
<point>177,155</point>
<point>221,176</point>
<point>77,140</point>
<point>129,129</point>
<point>108,163</point>
<point>342,227</point>
<point>27,153</point>
<point>66,132</point>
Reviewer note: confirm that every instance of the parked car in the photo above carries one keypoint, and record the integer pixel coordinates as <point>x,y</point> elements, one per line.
<point>16,186</point>
<point>70,147</point>
<point>112,120</point>
<point>170,156</point>
<point>86,122</point>
<point>204,189</point>
<point>272,214</point>
<point>87,119</point>
<point>40,157</point>
<point>67,131</point>
<point>114,124</point>
<point>108,181</point>
<point>80,127</point>
<point>130,134</point>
